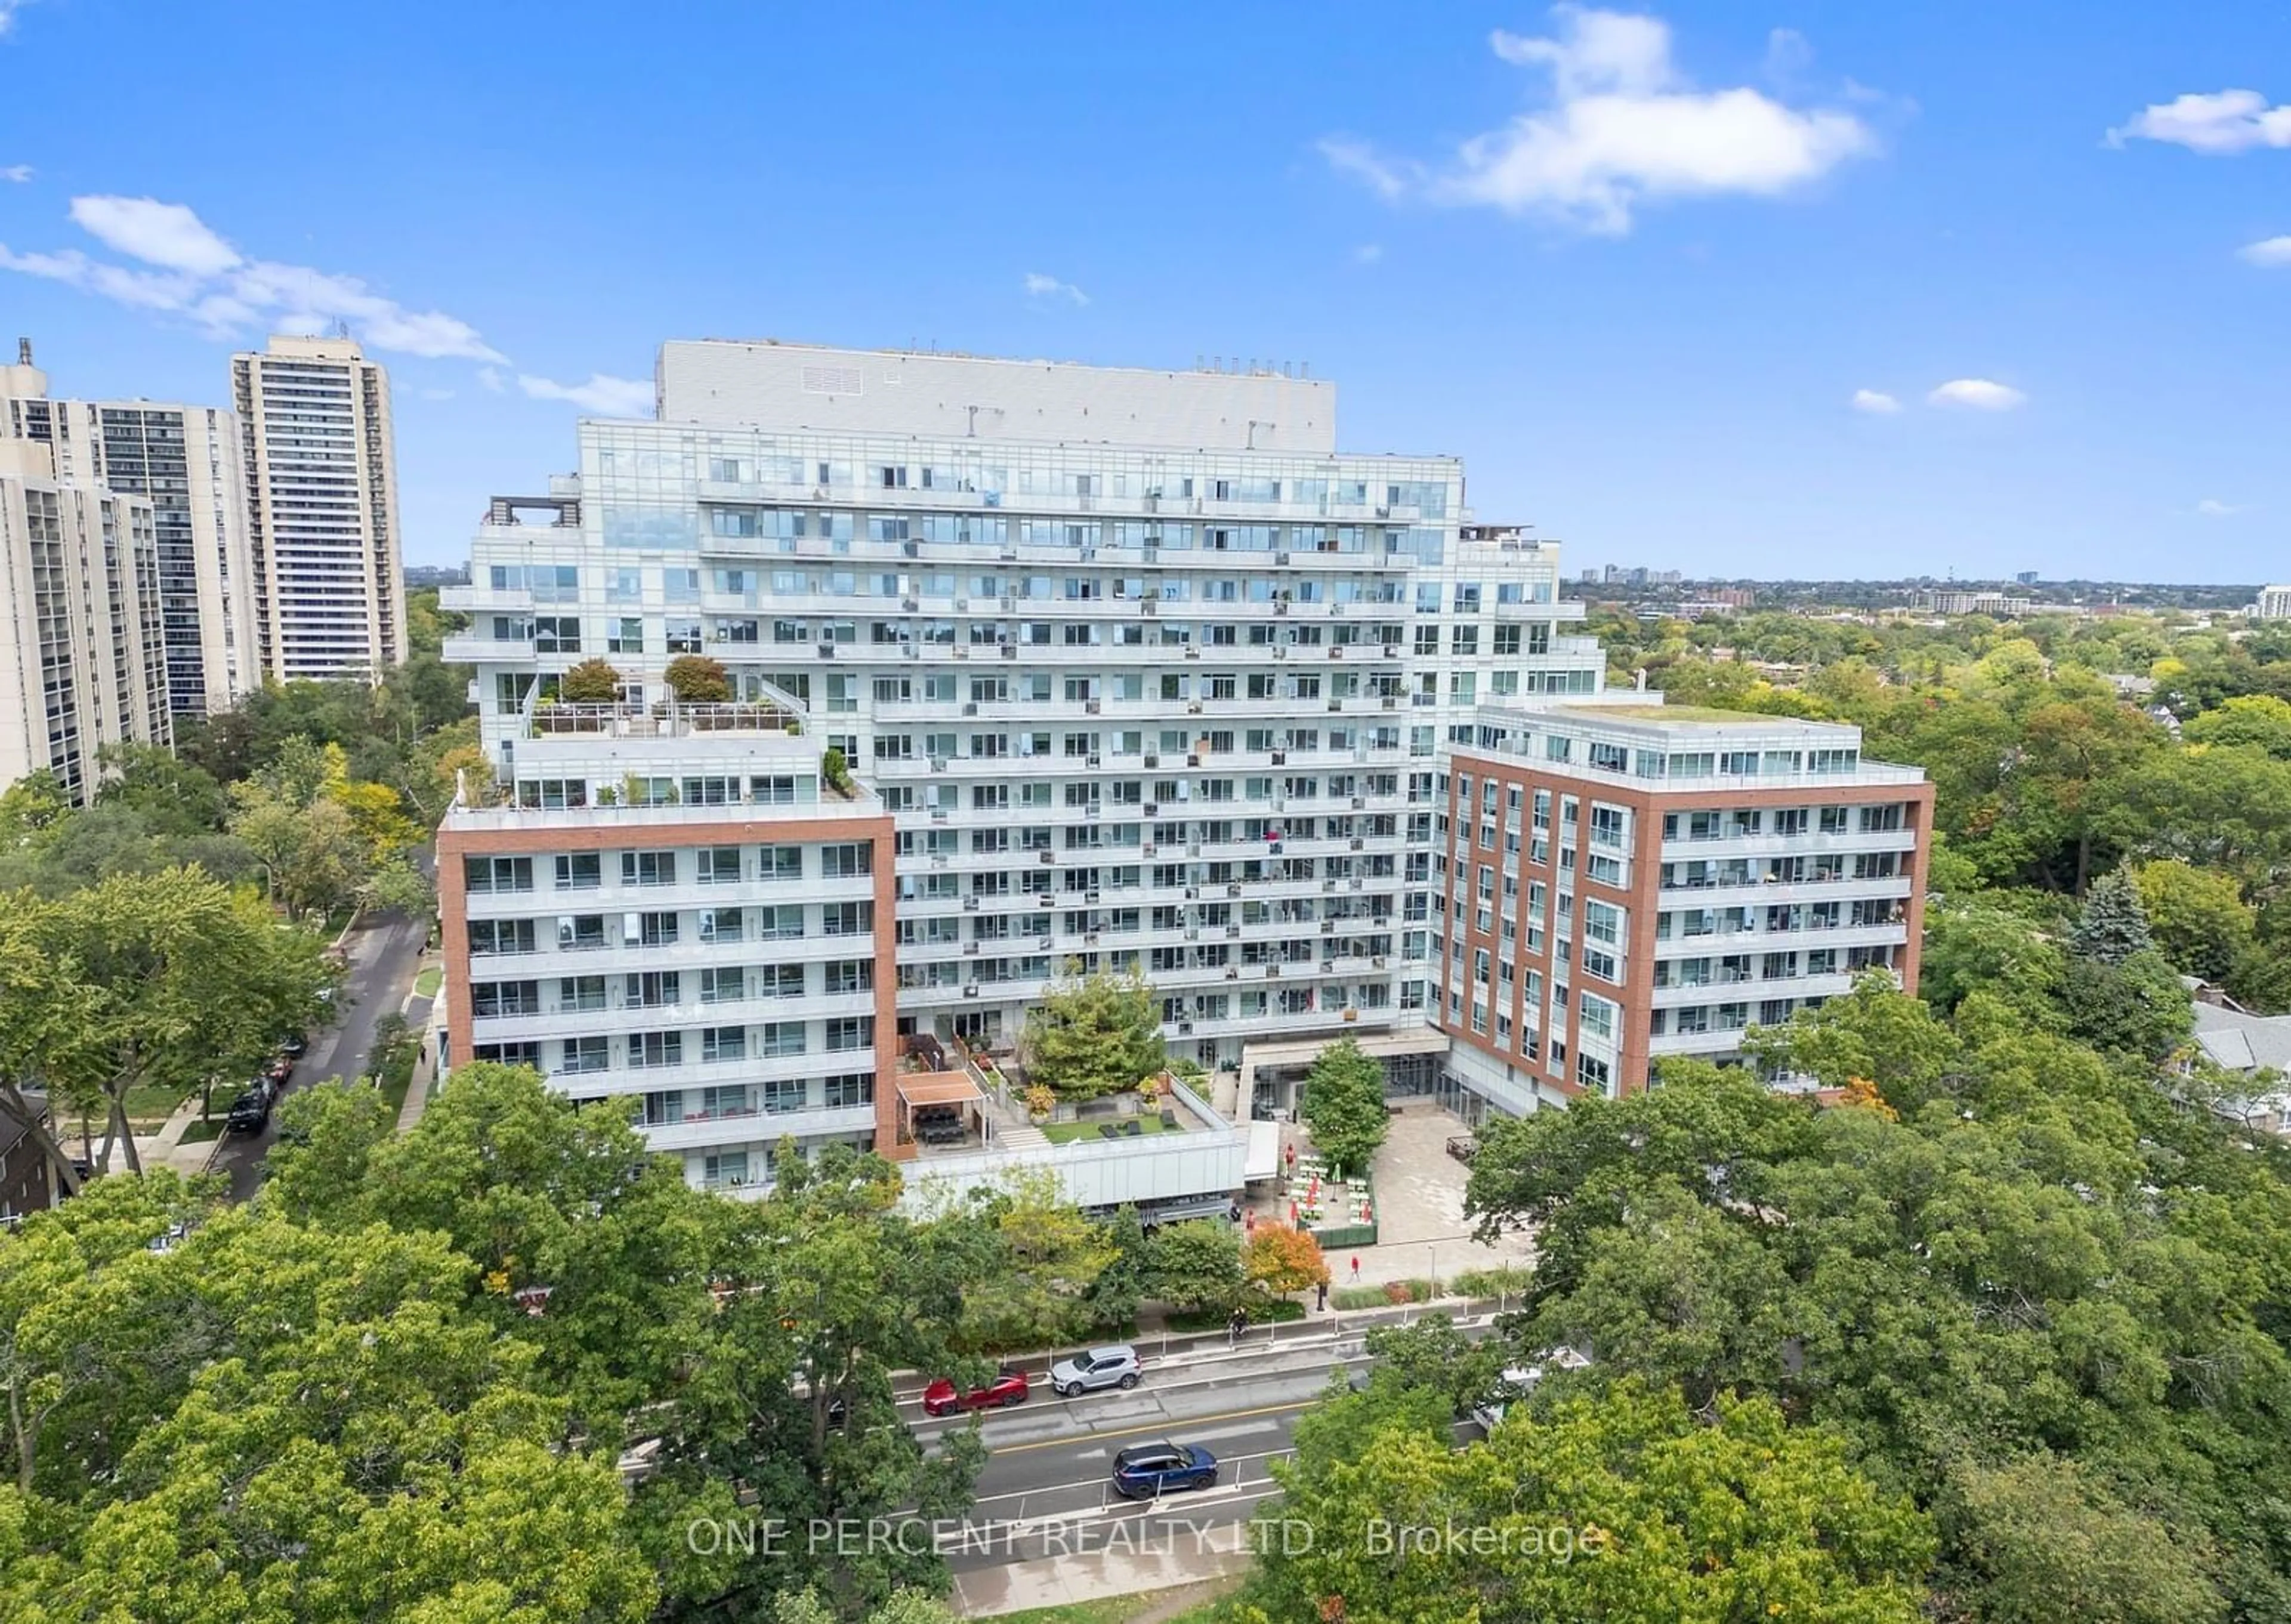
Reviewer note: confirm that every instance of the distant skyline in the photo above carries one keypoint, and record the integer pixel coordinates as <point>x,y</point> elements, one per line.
<point>1805,292</point>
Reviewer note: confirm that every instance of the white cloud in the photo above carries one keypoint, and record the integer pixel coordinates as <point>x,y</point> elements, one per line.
<point>156,233</point>
<point>2272,254</point>
<point>1875,400</point>
<point>1622,126</point>
<point>16,174</point>
<point>2212,507</point>
<point>491,377</point>
<point>1980,394</point>
<point>1040,287</point>
<point>601,396</point>
<point>8,10</point>
<point>198,275</point>
<point>1368,254</point>
<point>2218,124</point>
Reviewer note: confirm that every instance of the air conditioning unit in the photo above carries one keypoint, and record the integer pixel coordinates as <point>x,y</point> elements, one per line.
<point>1185,1029</point>
<point>1233,930</point>
<point>1192,653</point>
<point>1193,893</point>
<point>1280,558</point>
<point>1338,652</point>
<point>1094,707</point>
<point>1153,759</point>
<point>1232,972</point>
<point>970,904</point>
<point>1194,708</point>
<point>1152,809</point>
<point>1392,651</point>
<point>970,707</point>
<point>970,947</point>
<point>1050,856</point>
<point>1359,801</point>
<point>1327,927</point>
<point>1007,652</point>
<point>827,651</point>
<point>1093,761</point>
<point>1272,972</point>
<point>1280,759</point>
<point>1336,704</point>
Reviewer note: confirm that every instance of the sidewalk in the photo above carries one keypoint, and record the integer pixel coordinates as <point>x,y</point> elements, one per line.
<point>1158,1564</point>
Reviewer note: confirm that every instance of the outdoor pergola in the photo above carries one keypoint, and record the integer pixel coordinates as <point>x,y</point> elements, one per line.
<point>935,1091</point>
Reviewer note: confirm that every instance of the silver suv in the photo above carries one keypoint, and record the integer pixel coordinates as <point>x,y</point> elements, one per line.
<point>1115,1366</point>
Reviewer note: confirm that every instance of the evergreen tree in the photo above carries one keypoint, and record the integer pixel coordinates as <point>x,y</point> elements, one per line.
<point>2113,925</point>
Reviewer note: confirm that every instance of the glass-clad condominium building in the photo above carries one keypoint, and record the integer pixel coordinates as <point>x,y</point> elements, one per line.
<point>1145,672</point>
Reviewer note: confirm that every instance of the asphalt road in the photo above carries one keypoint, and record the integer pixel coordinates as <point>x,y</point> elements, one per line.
<point>383,953</point>
<point>1044,1491</point>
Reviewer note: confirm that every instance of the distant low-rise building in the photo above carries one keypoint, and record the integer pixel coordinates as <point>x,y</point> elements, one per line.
<point>2274,603</point>
<point>1960,601</point>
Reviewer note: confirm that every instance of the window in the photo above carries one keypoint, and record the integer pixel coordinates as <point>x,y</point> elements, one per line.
<point>850,976</point>
<point>847,918</point>
<point>648,1049</point>
<point>723,986</point>
<point>779,1039</point>
<point>648,868</point>
<point>580,993</point>
<point>723,1044</point>
<point>848,1088</point>
<point>625,636</point>
<point>500,936</point>
<point>580,870</point>
<point>722,1168</point>
<point>508,1053</point>
<point>656,929</point>
<point>777,863</point>
<point>783,922</point>
<point>719,864</point>
<point>780,981</point>
<point>721,924</point>
<point>651,989</point>
<point>492,998</point>
<point>586,1055</point>
<point>497,874</point>
<point>851,1032</point>
<point>847,861</point>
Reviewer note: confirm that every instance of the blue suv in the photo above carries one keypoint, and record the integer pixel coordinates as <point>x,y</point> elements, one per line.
<point>1150,1469</point>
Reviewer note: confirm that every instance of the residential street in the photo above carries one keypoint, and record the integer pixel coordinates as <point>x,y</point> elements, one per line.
<point>383,953</point>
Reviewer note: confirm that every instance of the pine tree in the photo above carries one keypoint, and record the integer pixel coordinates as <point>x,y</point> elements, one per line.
<point>2113,925</point>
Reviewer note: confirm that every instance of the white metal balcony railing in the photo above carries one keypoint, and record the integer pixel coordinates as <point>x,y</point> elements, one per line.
<point>570,1021</point>
<point>696,1074</point>
<point>757,1128</point>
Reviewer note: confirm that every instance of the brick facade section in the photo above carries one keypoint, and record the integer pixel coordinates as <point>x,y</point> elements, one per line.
<point>610,835</point>
<point>1643,895</point>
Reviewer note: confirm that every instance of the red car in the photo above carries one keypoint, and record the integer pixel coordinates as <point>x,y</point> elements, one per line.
<point>1008,1389</point>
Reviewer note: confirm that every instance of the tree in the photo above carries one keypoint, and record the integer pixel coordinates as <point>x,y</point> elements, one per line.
<point>313,859</point>
<point>2259,719</point>
<point>1343,1106</point>
<point>2199,918</point>
<point>262,1421</point>
<point>835,768</point>
<point>697,679</point>
<point>32,805</point>
<point>1092,1035</point>
<point>2038,1539</point>
<point>1622,1505</point>
<point>1034,1284</point>
<point>1194,1264</point>
<point>1115,1293</point>
<point>2112,925</point>
<point>169,980</point>
<point>1281,1261</point>
<point>1433,1355</point>
<point>594,681</point>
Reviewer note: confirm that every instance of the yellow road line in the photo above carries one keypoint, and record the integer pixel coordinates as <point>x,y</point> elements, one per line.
<point>1167,1424</point>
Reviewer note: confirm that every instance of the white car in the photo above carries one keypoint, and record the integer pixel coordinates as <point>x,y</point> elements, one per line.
<point>1113,1366</point>
<point>1520,1380</point>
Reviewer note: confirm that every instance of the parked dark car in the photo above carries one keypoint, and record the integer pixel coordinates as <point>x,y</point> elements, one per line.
<point>251,1111</point>
<point>295,1047</point>
<point>1145,1470</point>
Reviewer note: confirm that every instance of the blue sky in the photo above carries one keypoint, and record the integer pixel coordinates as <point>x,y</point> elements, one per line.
<point>1633,267</point>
